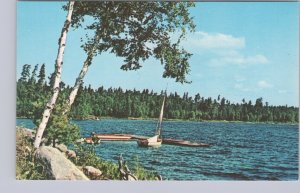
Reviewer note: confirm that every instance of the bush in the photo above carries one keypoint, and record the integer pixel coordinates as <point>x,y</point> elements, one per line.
<point>26,167</point>
<point>140,172</point>
<point>59,129</point>
<point>86,156</point>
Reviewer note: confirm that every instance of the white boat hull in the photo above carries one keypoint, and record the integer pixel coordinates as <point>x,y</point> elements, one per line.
<point>150,142</point>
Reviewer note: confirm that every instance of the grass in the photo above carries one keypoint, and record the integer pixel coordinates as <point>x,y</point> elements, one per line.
<point>140,172</point>
<point>26,167</point>
<point>86,156</point>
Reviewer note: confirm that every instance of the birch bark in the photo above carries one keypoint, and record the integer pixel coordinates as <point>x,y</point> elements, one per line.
<point>58,68</point>
<point>81,75</point>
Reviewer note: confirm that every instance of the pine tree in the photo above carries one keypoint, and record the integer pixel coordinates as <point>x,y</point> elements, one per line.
<point>41,76</point>
<point>25,74</point>
<point>32,79</point>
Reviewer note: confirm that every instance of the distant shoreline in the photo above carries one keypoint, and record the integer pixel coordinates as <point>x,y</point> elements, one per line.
<point>174,120</point>
<point>190,120</point>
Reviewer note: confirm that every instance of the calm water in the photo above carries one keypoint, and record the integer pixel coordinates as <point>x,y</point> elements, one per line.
<point>240,151</point>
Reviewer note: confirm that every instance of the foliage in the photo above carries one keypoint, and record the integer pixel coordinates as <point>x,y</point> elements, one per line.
<point>32,95</point>
<point>26,166</point>
<point>86,156</point>
<point>137,30</point>
<point>41,76</point>
<point>116,102</point>
<point>59,129</point>
<point>140,172</point>
<point>25,74</point>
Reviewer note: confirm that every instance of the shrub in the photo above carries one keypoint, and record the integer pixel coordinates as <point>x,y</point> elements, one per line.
<point>26,167</point>
<point>59,129</point>
<point>86,156</point>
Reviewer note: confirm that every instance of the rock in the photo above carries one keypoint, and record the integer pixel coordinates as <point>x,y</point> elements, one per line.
<point>71,154</point>
<point>27,132</point>
<point>91,172</point>
<point>61,147</point>
<point>131,177</point>
<point>57,166</point>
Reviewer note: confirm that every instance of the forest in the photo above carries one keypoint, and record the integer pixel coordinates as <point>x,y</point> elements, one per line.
<point>34,89</point>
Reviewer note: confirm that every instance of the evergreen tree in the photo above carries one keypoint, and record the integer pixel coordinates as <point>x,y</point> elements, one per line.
<point>32,79</point>
<point>25,74</point>
<point>116,102</point>
<point>41,76</point>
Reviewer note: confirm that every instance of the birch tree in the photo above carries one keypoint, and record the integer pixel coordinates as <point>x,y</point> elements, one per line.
<point>135,31</point>
<point>58,69</point>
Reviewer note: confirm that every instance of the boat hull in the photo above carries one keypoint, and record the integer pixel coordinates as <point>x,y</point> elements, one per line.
<point>146,143</point>
<point>89,140</point>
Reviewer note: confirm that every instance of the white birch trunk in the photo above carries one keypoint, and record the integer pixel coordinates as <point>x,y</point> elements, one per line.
<point>78,82</point>
<point>81,76</point>
<point>58,68</point>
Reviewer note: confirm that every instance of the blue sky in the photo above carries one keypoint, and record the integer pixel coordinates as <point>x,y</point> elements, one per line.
<point>240,50</point>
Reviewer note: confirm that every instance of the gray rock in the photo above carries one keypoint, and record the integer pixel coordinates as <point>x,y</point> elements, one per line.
<point>91,172</point>
<point>132,177</point>
<point>57,166</point>
<point>27,132</point>
<point>62,148</point>
<point>71,154</point>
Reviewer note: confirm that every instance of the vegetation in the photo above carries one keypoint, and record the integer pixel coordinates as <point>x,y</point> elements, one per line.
<point>134,31</point>
<point>57,78</point>
<point>26,167</point>
<point>86,156</point>
<point>116,102</point>
<point>32,94</point>
<point>140,172</point>
<point>59,129</point>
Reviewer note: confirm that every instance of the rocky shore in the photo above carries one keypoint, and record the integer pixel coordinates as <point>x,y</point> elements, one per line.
<point>58,163</point>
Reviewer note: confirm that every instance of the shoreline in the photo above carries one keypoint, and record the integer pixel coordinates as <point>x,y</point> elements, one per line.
<point>177,120</point>
<point>186,120</point>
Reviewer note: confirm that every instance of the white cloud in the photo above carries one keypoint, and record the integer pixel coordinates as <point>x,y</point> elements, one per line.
<point>203,40</point>
<point>238,59</point>
<point>220,49</point>
<point>254,87</point>
<point>264,84</point>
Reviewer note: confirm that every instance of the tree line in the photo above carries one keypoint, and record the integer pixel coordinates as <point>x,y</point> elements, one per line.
<point>33,90</point>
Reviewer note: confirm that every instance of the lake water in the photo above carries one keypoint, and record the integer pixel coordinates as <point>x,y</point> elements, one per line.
<point>239,151</point>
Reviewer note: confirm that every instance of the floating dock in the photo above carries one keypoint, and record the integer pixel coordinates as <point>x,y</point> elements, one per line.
<point>113,137</point>
<point>127,137</point>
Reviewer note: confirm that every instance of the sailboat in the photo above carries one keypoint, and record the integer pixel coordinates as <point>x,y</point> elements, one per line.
<point>156,140</point>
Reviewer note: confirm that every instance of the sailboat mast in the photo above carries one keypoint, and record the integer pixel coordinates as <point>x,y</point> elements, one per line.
<point>158,129</point>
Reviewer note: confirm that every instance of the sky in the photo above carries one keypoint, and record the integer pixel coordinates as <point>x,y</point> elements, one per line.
<point>241,50</point>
